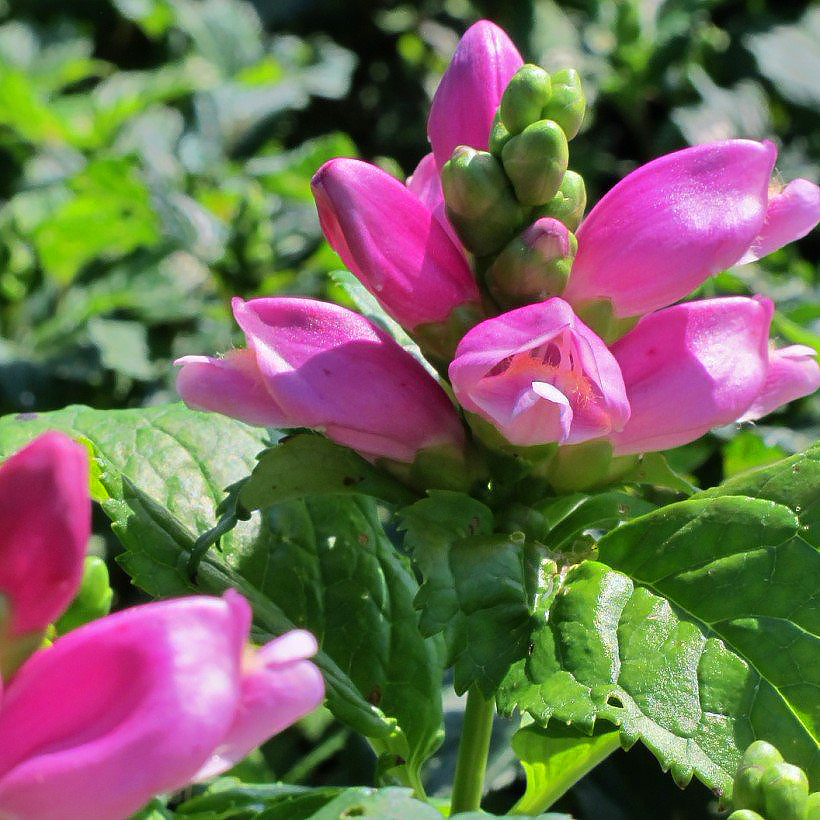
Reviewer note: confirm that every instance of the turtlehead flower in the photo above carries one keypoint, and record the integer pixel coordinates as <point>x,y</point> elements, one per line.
<point>45,520</point>
<point>151,699</point>
<point>313,364</point>
<point>393,243</point>
<point>539,375</point>
<point>667,227</point>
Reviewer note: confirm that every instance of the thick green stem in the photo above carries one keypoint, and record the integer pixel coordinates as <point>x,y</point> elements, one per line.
<point>472,753</point>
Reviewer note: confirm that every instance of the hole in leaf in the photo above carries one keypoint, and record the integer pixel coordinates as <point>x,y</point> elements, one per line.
<point>613,700</point>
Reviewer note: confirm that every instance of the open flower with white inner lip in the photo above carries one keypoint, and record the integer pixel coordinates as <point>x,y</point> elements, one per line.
<point>540,376</point>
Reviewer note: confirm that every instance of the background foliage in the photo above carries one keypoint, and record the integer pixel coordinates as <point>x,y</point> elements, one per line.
<point>155,158</point>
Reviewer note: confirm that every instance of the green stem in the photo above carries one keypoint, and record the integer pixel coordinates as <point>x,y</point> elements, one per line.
<point>472,753</point>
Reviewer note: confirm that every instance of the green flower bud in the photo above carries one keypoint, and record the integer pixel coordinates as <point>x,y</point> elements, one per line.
<point>534,267</point>
<point>745,814</point>
<point>760,753</point>
<point>498,136</point>
<point>525,97</point>
<point>568,204</point>
<point>536,161</point>
<point>813,806</point>
<point>479,201</point>
<point>785,792</point>
<point>746,793</point>
<point>567,104</point>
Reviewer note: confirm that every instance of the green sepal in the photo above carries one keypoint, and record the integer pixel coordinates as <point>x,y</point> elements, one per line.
<point>530,271</point>
<point>479,201</point>
<point>568,204</point>
<point>567,104</point>
<point>600,317</point>
<point>528,92</point>
<point>440,468</point>
<point>536,161</point>
<point>580,467</point>
<point>438,340</point>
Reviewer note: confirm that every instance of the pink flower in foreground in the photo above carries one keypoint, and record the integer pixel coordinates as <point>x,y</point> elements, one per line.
<point>45,520</point>
<point>313,364</point>
<point>149,699</point>
<point>539,375</point>
<point>669,225</point>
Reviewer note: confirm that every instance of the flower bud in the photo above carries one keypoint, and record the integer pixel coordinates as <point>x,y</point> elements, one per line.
<point>480,203</point>
<point>567,104</point>
<point>499,135</point>
<point>536,161</point>
<point>534,267</point>
<point>785,792</point>
<point>525,97</point>
<point>745,814</point>
<point>568,204</point>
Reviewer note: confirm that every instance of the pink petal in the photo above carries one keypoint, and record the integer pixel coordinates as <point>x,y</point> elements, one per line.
<point>470,90</point>
<point>391,242</point>
<point>330,369</point>
<point>792,373</point>
<point>279,686</point>
<point>46,519</point>
<point>120,710</point>
<point>425,183</point>
<point>691,368</point>
<point>232,386</point>
<point>501,374</point>
<point>665,228</point>
<point>790,215</point>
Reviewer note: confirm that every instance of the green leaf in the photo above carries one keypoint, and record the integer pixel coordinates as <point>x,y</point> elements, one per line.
<point>164,477</point>
<point>309,464</point>
<point>697,633</point>
<point>474,586</point>
<point>328,564</point>
<point>653,469</point>
<point>555,758</point>
<point>745,451</point>
<point>431,526</point>
<point>229,799</point>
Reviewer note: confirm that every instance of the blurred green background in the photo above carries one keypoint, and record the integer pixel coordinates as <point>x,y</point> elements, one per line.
<point>155,158</point>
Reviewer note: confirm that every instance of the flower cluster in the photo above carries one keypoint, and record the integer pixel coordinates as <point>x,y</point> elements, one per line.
<point>134,704</point>
<point>556,332</point>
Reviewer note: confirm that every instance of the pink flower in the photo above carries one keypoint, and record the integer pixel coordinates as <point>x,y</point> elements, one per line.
<point>690,368</point>
<point>792,372</point>
<point>149,699</point>
<point>312,364</point>
<point>45,520</point>
<point>665,228</point>
<point>539,376</point>
<point>468,95</point>
<point>392,242</point>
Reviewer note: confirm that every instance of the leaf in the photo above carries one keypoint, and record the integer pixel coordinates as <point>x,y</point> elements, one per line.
<point>697,633</point>
<point>474,586</point>
<point>229,799</point>
<point>555,758</point>
<point>309,464</point>
<point>653,469</point>
<point>329,565</point>
<point>164,478</point>
<point>431,526</point>
<point>92,601</point>
<point>747,450</point>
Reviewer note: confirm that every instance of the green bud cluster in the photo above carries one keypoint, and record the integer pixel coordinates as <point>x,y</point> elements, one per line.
<point>768,788</point>
<point>491,196</point>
